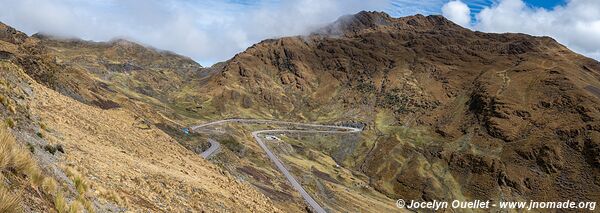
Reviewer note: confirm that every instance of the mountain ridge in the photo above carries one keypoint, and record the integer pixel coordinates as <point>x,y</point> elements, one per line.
<point>98,145</point>
<point>449,113</point>
<point>372,20</point>
<point>481,100</point>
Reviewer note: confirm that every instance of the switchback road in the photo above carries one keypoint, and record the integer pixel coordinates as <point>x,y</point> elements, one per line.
<point>257,136</point>
<point>214,146</point>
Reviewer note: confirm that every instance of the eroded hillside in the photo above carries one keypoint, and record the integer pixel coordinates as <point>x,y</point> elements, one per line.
<point>450,113</point>
<point>96,153</point>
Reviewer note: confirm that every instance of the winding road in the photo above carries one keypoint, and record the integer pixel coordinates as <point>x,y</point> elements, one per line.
<point>214,146</point>
<point>256,135</point>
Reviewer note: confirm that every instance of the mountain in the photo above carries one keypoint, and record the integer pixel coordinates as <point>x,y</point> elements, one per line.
<point>448,113</point>
<point>79,134</point>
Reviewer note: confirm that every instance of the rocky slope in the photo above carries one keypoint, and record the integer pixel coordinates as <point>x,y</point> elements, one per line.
<point>98,150</point>
<point>451,113</point>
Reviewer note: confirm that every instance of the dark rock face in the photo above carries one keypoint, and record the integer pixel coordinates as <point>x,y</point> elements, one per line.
<point>6,55</point>
<point>124,67</point>
<point>10,35</point>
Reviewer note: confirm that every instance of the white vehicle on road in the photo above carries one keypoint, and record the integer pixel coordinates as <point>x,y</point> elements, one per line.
<point>272,138</point>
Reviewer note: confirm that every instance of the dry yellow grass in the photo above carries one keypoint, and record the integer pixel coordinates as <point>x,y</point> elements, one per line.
<point>82,187</point>
<point>9,158</point>
<point>18,158</point>
<point>60,204</point>
<point>22,162</point>
<point>87,204</point>
<point>5,150</point>
<point>75,207</point>
<point>78,180</point>
<point>8,201</point>
<point>141,169</point>
<point>50,186</point>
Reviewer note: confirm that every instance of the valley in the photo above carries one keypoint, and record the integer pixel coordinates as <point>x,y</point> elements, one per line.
<point>345,200</point>
<point>349,118</point>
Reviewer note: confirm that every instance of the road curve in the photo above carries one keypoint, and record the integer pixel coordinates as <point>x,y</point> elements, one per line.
<point>256,135</point>
<point>214,146</point>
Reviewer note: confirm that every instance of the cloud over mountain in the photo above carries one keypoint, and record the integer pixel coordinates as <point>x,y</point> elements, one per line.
<point>208,31</point>
<point>575,24</point>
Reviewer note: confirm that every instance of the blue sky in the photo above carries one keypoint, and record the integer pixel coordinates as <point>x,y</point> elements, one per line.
<point>210,31</point>
<point>404,7</point>
<point>434,6</point>
<point>548,4</point>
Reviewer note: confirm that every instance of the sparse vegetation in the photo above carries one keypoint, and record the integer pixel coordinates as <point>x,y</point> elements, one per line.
<point>112,196</point>
<point>87,204</point>
<point>8,201</point>
<point>12,109</point>
<point>232,144</point>
<point>52,149</point>
<point>82,187</point>
<point>15,157</point>
<point>50,186</point>
<point>6,102</point>
<point>60,204</point>
<point>22,162</point>
<point>75,207</point>
<point>19,161</point>
<point>44,126</point>
<point>395,100</point>
<point>10,123</point>
<point>365,87</point>
<point>3,100</point>
<point>30,147</point>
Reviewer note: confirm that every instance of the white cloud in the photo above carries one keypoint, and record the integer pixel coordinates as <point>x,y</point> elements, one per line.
<point>208,31</point>
<point>576,24</point>
<point>213,30</point>
<point>458,12</point>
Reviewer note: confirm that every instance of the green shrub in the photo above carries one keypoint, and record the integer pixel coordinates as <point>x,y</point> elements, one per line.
<point>53,149</point>
<point>80,185</point>
<point>31,148</point>
<point>232,144</point>
<point>50,148</point>
<point>10,123</point>
<point>59,148</point>
<point>43,126</point>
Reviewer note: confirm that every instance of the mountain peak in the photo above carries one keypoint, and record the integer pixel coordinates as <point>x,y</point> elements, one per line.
<point>373,17</point>
<point>11,35</point>
<point>373,20</point>
<point>356,22</point>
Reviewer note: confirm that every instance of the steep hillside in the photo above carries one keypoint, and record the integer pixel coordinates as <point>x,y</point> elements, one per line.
<point>78,146</point>
<point>450,113</point>
<point>115,74</point>
<point>140,168</point>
